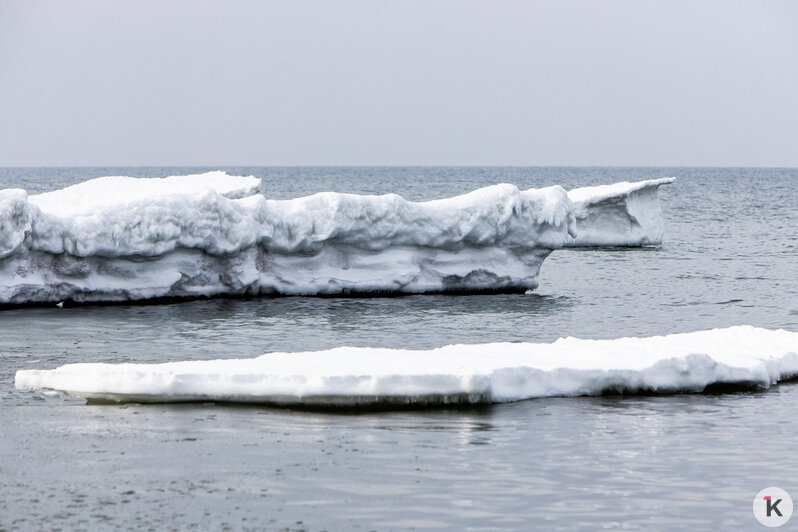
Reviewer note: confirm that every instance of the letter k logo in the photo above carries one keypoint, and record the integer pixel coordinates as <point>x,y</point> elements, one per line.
<point>772,506</point>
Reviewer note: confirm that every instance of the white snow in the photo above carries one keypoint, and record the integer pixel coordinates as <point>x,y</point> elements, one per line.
<point>496,372</point>
<point>111,192</point>
<point>122,238</point>
<point>621,214</point>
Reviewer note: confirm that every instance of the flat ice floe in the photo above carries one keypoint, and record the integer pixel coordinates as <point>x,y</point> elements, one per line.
<point>499,372</point>
<point>121,238</point>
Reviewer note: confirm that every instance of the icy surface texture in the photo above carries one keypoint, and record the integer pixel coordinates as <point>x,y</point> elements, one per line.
<point>452,374</point>
<point>621,214</point>
<point>121,239</point>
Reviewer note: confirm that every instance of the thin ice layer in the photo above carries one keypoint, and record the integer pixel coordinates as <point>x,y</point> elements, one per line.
<point>496,372</point>
<point>621,214</point>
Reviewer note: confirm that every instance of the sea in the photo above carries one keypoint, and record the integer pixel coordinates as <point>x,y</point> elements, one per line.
<point>614,462</point>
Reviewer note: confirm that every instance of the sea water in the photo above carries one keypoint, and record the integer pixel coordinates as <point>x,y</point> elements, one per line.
<point>730,256</point>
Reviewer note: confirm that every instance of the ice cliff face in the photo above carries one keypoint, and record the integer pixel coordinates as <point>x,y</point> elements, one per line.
<point>121,238</point>
<point>621,214</point>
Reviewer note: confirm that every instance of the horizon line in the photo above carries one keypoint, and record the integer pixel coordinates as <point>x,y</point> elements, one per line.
<point>773,167</point>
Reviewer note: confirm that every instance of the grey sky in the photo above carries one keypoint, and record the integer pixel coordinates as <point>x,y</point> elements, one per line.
<point>406,83</point>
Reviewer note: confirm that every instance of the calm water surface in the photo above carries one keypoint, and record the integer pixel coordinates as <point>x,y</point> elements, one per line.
<point>638,463</point>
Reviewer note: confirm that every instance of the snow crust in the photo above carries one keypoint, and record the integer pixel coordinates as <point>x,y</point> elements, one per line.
<point>497,372</point>
<point>121,238</point>
<point>84,199</point>
<point>621,214</point>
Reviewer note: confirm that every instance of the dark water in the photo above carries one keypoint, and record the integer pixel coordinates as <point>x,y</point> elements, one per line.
<point>640,463</point>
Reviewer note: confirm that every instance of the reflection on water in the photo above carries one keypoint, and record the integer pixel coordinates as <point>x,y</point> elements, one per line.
<point>590,459</point>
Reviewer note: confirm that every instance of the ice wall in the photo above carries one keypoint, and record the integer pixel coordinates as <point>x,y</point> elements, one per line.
<point>118,239</point>
<point>498,372</point>
<point>121,238</point>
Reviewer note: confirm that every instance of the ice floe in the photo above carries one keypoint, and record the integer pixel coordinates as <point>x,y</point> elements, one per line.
<point>121,238</point>
<point>482,373</point>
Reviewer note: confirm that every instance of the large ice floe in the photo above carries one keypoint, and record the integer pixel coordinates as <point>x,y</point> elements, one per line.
<point>466,374</point>
<point>122,238</point>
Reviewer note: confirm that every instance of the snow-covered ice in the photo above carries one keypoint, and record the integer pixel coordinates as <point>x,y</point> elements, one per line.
<point>83,199</point>
<point>621,214</point>
<point>121,238</point>
<point>497,372</point>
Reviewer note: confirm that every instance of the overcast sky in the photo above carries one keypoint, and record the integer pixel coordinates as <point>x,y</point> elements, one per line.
<point>399,83</point>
